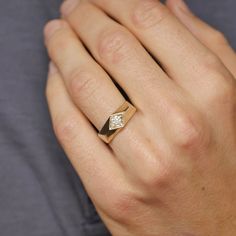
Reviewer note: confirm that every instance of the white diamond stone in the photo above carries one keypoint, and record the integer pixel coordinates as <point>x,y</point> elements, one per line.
<point>116,121</point>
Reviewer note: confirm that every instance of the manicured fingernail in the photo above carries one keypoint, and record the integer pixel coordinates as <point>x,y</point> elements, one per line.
<point>68,6</point>
<point>51,28</point>
<point>52,68</point>
<point>183,6</point>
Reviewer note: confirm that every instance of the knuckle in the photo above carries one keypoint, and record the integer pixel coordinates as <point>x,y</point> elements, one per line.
<point>218,38</point>
<point>158,177</point>
<point>148,13</point>
<point>124,207</point>
<point>160,169</point>
<point>211,63</point>
<point>222,91</point>
<point>221,88</point>
<point>113,45</point>
<point>189,132</point>
<point>156,159</point>
<point>65,128</point>
<point>83,84</point>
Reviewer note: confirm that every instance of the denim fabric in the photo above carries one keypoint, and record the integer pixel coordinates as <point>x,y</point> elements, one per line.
<point>40,193</point>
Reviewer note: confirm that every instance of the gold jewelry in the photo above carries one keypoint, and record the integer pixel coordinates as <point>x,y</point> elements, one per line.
<point>117,121</point>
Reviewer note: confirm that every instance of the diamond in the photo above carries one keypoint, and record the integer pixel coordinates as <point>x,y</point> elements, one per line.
<point>116,121</point>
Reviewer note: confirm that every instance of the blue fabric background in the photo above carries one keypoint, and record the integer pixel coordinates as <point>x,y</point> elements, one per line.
<point>40,194</point>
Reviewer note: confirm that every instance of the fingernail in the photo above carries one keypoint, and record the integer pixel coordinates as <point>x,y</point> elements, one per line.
<point>183,6</point>
<point>52,68</point>
<point>51,28</point>
<point>68,6</point>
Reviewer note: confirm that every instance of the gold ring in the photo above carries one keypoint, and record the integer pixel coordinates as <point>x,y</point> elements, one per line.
<point>116,122</point>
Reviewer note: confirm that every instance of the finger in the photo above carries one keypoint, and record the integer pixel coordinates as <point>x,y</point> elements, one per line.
<point>184,58</point>
<point>163,92</point>
<point>210,37</point>
<point>89,86</point>
<point>91,158</point>
<point>118,51</point>
<point>64,48</point>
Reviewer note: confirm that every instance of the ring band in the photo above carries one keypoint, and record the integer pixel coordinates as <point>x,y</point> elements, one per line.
<point>116,122</point>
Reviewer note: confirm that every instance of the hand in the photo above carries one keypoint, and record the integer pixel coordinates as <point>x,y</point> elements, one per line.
<point>171,171</point>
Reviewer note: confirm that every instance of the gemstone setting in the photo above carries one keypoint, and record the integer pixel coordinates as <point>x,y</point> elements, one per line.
<point>116,121</point>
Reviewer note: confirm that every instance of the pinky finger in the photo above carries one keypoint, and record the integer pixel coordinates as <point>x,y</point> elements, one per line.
<point>210,37</point>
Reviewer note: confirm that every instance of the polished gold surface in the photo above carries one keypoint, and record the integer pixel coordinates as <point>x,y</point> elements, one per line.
<point>117,121</point>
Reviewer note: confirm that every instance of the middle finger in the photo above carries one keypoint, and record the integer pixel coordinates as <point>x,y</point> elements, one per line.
<point>119,52</point>
<point>185,59</point>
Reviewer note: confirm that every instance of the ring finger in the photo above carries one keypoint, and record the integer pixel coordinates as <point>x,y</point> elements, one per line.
<point>90,87</point>
<point>96,96</point>
<point>88,84</point>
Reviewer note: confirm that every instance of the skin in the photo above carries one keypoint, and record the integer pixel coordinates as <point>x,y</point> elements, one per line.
<point>171,171</point>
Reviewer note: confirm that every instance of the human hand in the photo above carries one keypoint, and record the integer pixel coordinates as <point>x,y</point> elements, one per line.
<point>171,171</point>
